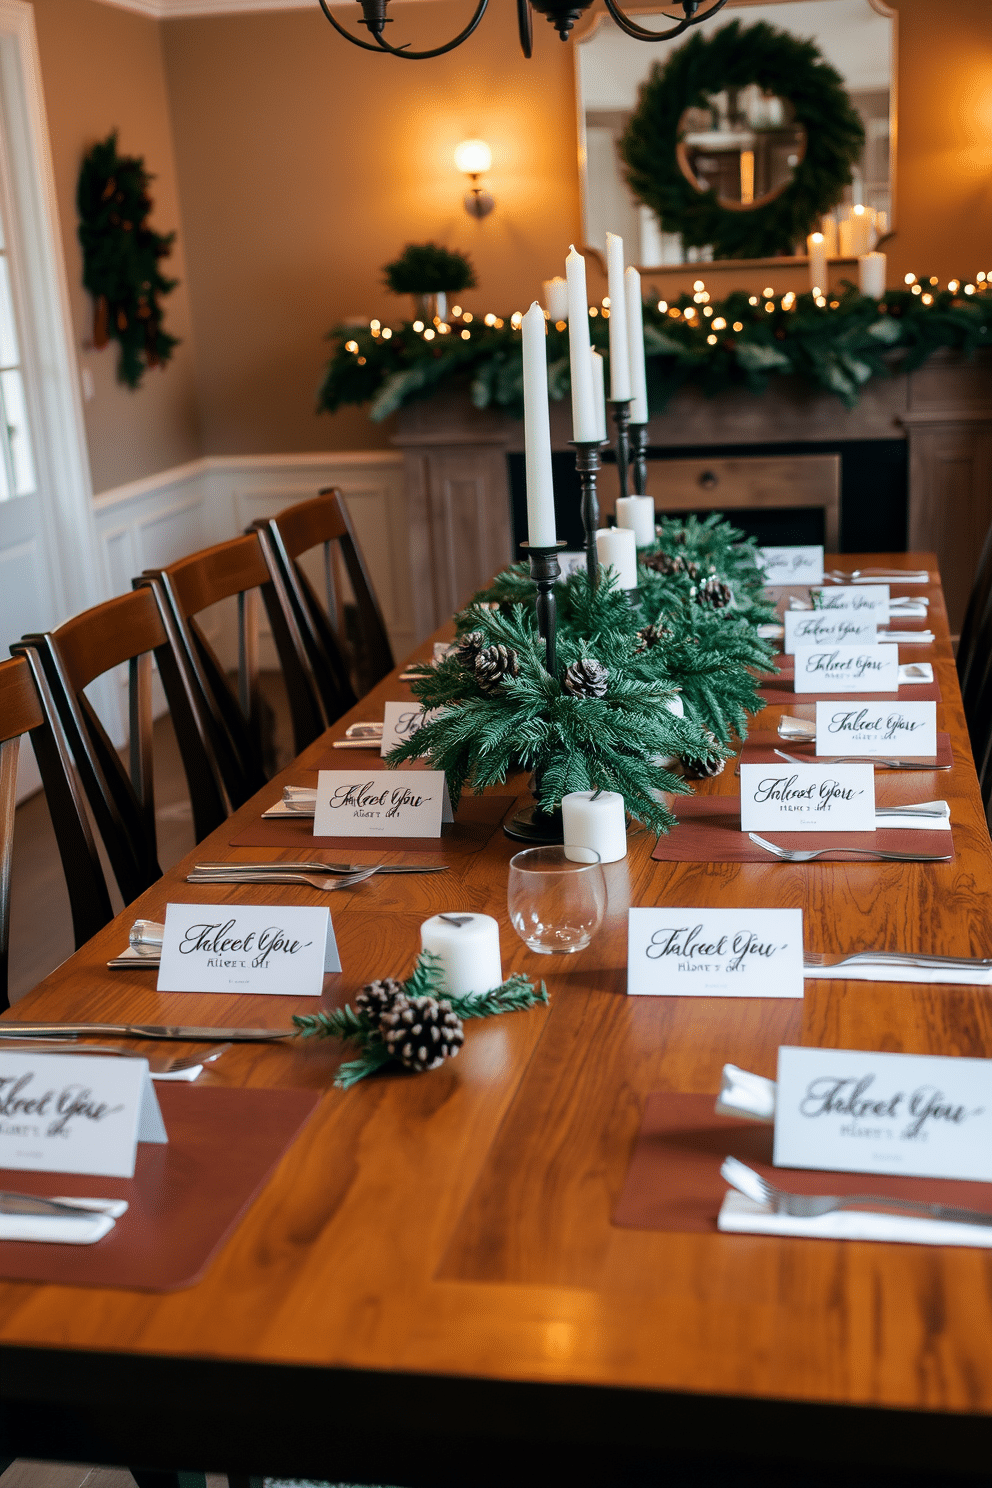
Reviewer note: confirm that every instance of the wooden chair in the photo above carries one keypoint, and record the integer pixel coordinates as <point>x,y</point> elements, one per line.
<point>128,629</point>
<point>343,671</point>
<point>233,717</point>
<point>978,603</point>
<point>26,707</point>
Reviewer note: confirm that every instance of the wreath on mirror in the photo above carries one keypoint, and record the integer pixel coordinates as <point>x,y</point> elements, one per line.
<point>733,57</point>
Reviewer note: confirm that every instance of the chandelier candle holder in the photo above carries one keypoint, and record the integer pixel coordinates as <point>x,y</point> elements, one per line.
<point>621,418</point>
<point>588,463</point>
<point>637,436</point>
<point>545,571</point>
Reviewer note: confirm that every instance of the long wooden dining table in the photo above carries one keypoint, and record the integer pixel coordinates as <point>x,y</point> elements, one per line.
<point>429,1290</point>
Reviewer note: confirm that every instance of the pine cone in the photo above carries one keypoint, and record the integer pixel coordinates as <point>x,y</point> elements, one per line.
<point>714,593</point>
<point>422,1032</point>
<point>663,563</point>
<point>651,635</point>
<point>494,665</point>
<point>469,647</point>
<point>377,998</point>
<point>586,678</point>
<point>702,769</point>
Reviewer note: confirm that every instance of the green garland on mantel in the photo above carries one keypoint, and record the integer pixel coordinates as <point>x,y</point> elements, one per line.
<point>838,346</point>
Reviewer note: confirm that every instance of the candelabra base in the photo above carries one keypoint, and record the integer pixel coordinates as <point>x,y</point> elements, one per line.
<point>535,827</point>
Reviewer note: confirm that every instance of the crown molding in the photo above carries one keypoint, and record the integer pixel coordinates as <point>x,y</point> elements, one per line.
<point>165,10</point>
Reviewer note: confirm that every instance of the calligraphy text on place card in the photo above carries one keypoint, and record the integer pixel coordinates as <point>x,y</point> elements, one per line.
<point>867,600</point>
<point>867,1112</point>
<point>807,798</point>
<point>400,722</point>
<point>393,803</point>
<point>715,952</point>
<point>793,565</point>
<point>876,728</point>
<point>846,669</point>
<point>819,628</point>
<point>277,950</point>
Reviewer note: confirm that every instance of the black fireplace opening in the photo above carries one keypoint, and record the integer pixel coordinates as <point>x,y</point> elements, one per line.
<point>874,496</point>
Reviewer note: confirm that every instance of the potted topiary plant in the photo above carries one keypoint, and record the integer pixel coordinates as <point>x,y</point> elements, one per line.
<point>430,273</point>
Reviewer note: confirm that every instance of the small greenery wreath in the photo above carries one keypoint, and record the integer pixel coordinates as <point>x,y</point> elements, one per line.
<point>427,268</point>
<point>733,57</point>
<point>121,255</point>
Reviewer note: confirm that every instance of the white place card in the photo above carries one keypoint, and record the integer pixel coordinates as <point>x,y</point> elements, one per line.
<point>394,803</point>
<point>824,628</point>
<point>851,1111</point>
<point>73,1113</point>
<point>868,600</point>
<point>275,949</point>
<point>876,728</point>
<point>400,722</point>
<point>792,565</point>
<point>846,669</point>
<point>715,952</point>
<point>807,798</point>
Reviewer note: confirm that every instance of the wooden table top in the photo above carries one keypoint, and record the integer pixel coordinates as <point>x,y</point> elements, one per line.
<point>457,1224</point>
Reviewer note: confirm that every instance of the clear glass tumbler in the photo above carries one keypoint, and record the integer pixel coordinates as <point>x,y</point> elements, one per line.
<point>556,904</point>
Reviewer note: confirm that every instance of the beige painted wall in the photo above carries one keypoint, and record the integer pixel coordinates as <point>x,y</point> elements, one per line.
<point>305,164</point>
<point>102,67</point>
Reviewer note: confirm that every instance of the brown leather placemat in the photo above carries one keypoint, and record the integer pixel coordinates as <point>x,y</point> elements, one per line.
<point>761,746</point>
<point>709,831</point>
<point>771,688</point>
<point>184,1200</point>
<point>674,1184</point>
<point>476,821</point>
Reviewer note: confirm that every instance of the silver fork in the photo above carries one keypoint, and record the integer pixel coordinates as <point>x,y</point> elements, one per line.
<point>327,885</point>
<point>804,855</point>
<point>866,759</point>
<point>68,1046</point>
<point>894,575</point>
<point>808,1206</point>
<point>899,958</point>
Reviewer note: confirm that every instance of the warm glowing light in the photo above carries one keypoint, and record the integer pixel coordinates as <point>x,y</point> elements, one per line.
<point>515,320</point>
<point>769,294</point>
<point>917,289</point>
<point>456,310</point>
<point>928,299</point>
<point>816,237</point>
<point>361,361</point>
<point>835,304</point>
<point>934,281</point>
<point>980,277</point>
<point>468,317</point>
<point>375,335</point>
<point>738,325</point>
<point>705,296</point>
<point>418,325</point>
<point>719,324</point>
<point>689,313</point>
<point>910,279</point>
<point>821,300</point>
<point>954,285</point>
<point>711,340</point>
<point>561,325</point>
<point>753,300</point>
<point>817,292</point>
<point>707,309</point>
<point>662,306</point>
<point>770,307</point>
<point>473,157</point>
<point>593,310</point>
<point>387,333</point>
<point>466,335</point>
<point>490,319</point>
<point>605,314</point>
<point>969,289</point>
<point>442,328</point>
<point>606,302</point>
<point>697,299</point>
<point>674,313</point>
<point>428,334</point>
<point>698,285</point>
<point>858,211</point>
<point>498,323</point>
<point>351,346</point>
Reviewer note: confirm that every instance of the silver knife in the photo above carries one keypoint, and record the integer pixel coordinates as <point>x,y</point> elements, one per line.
<point>900,958</point>
<point>149,1031</point>
<point>316,867</point>
<point>22,1203</point>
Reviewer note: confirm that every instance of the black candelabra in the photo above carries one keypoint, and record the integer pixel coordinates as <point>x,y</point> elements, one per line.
<point>533,825</point>
<point>638,440</point>
<point>587,463</point>
<point>621,417</point>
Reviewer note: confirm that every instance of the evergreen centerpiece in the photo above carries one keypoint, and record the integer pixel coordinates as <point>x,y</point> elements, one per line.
<point>430,273</point>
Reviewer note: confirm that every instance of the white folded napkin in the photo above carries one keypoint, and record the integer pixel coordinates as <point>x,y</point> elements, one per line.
<point>85,1230</point>
<point>888,576</point>
<point>876,971</point>
<point>915,671</point>
<point>771,632</point>
<point>741,1215</point>
<point>745,1094</point>
<point>907,637</point>
<point>298,800</point>
<point>906,818</point>
<point>909,606</point>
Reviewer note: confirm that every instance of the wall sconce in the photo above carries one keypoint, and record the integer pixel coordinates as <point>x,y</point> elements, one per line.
<point>474,157</point>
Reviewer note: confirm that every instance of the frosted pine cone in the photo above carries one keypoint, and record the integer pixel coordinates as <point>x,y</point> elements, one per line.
<point>377,998</point>
<point>586,678</point>
<point>495,665</point>
<point>703,768</point>
<point>422,1032</point>
<point>663,563</point>
<point>469,647</point>
<point>652,635</point>
<point>714,593</point>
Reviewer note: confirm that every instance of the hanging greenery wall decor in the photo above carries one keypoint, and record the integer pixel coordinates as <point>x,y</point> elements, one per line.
<point>733,57</point>
<point>121,256</point>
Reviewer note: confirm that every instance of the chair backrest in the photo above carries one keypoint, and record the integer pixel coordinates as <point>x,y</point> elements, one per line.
<point>343,670</point>
<point>27,707</point>
<point>234,716</point>
<point>981,590</point>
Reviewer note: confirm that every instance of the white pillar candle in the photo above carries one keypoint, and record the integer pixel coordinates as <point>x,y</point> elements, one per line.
<point>816,247</point>
<point>617,549</point>
<point>537,431</point>
<point>556,298</point>
<point>862,228</point>
<point>596,820</point>
<point>585,426</point>
<point>635,346</point>
<point>468,945</point>
<point>637,513</point>
<point>871,274</point>
<point>599,395</point>
<point>619,359</point>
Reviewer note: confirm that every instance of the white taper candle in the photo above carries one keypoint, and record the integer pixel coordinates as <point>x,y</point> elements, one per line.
<point>537,432</point>
<point>635,345</point>
<point>585,425</point>
<point>599,394</point>
<point>619,360</point>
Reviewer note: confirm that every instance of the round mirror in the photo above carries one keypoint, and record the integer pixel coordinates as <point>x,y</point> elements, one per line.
<point>744,146</point>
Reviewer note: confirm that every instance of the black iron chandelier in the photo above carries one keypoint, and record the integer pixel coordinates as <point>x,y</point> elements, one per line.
<point>561,13</point>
